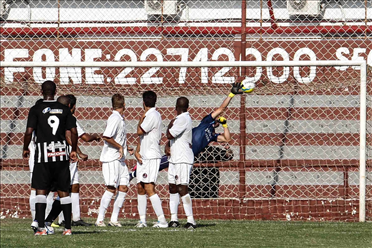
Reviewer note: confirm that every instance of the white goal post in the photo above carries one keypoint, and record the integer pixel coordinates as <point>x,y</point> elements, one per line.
<point>363,92</point>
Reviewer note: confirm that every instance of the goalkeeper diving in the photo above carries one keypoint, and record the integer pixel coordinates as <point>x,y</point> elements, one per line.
<point>205,133</point>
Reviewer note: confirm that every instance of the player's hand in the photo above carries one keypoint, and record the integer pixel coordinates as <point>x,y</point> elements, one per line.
<point>83,156</point>
<point>235,89</point>
<point>167,150</point>
<point>130,150</point>
<point>121,152</point>
<point>73,157</point>
<point>97,137</point>
<point>223,121</point>
<point>138,157</point>
<point>26,153</point>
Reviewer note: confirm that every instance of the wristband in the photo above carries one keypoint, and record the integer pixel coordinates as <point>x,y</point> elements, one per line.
<point>224,125</point>
<point>231,95</point>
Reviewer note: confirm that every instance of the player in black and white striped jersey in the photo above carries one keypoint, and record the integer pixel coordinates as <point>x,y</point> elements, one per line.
<point>50,120</point>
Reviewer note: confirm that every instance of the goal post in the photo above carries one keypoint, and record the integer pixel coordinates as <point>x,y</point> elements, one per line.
<point>297,130</point>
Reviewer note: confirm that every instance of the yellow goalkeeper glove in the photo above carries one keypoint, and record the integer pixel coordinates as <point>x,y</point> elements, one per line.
<point>223,121</point>
<point>235,89</point>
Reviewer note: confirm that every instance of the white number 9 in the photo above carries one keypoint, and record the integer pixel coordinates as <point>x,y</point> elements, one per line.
<point>53,122</point>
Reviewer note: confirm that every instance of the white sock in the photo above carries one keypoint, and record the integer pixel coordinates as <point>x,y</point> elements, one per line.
<point>119,200</point>
<point>32,203</point>
<point>142,207</point>
<point>156,204</point>
<point>61,218</point>
<point>187,206</point>
<point>49,203</point>
<point>174,200</point>
<point>105,201</point>
<point>75,206</point>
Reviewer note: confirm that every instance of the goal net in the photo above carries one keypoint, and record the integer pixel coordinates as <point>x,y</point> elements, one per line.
<point>298,151</point>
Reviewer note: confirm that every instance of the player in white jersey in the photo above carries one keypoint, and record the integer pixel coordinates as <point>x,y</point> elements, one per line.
<point>179,148</point>
<point>148,155</point>
<point>115,171</point>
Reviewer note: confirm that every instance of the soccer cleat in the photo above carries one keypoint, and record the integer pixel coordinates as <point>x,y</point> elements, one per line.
<point>49,228</point>
<point>160,225</point>
<point>80,223</point>
<point>54,225</point>
<point>189,226</point>
<point>141,225</point>
<point>116,224</point>
<point>41,232</point>
<point>100,224</point>
<point>35,225</point>
<point>174,224</point>
<point>67,232</point>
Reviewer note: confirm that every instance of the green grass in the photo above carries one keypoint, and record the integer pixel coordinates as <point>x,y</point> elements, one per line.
<point>215,233</point>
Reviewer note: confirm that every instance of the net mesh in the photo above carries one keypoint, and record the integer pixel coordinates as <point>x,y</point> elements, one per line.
<point>295,143</point>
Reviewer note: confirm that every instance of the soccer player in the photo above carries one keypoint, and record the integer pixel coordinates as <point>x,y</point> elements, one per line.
<point>181,159</point>
<point>115,171</point>
<point>148,155</point>
<point>50,120</point>
<point>70,101</point>
<point>205,133</point>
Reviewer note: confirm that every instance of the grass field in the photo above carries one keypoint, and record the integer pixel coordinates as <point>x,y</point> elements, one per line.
<point>215,233</point>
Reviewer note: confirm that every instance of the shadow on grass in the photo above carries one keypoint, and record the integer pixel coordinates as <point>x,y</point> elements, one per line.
<point>205,225</point>
<point>85,232</point>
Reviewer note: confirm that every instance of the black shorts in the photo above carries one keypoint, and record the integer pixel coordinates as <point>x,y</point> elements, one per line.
<point>51,176</point>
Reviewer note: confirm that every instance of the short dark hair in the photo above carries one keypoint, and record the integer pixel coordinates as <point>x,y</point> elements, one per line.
<point>182,103</point>
<point>65,100</point>
<point>149,98</point>
<point>117,101</point>
<point>72,100</point>
<point>49,88</point>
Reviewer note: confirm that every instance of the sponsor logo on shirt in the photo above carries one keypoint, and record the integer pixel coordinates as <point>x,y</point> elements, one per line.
<point>56,146</point>
<point>56,154</point>
<point>46,110</point>
<point>56,111</point>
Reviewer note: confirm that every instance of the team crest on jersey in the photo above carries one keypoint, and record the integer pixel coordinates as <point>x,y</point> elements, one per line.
<point>176,177</point>
<point>56,111</point>
<point>144,175</point>
<point>46,110</point>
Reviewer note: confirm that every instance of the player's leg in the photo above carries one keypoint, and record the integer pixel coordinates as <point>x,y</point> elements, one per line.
<point>110,181</point>
<point>184,175</point>
<point>174,197</point>
<point>123,181</point>
<point>34,224</point>
<point>63,179</point>
<point>141,204</point>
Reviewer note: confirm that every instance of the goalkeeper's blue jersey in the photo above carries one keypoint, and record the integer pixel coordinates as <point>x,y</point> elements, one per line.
<point>203,134</point>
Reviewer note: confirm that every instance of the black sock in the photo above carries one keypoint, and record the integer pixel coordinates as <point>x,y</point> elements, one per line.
<point>67,209</point>
<point>40,213</point>
<point>56,209</point>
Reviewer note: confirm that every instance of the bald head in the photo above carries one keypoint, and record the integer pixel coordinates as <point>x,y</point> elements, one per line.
<point>182,104</point>
<point>48,88</point>
<point>65,100</point>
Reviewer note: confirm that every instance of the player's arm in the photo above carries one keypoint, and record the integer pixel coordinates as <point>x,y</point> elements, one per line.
<point>167,148</point>
<point>113,143</point>
<point>26,142</point>
<point>234,90</point>
<point>137,153</point>
<point>82,155</point>
<point>90,137</point>
<point>74,139</point>
<point>225,136</point>
<point>169,135</point>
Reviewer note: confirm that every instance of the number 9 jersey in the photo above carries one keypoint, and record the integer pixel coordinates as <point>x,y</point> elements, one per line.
<point>50,120</point>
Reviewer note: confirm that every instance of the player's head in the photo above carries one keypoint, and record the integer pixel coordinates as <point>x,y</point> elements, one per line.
<point>65,100</point>
<point>72,104</point>
<point>182,104</point>
<point>149,98</point>
<point>117,101</point>
<point>48,88</point>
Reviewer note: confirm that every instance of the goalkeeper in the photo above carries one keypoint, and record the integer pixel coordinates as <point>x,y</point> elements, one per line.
<point>205,133</point>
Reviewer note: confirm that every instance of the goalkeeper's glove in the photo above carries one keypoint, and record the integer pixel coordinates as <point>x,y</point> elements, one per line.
<point>223,121</point>
<point>235,89</point>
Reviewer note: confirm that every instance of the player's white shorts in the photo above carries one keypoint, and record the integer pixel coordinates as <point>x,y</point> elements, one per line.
<point>115,173</point>
<point>74,174</point>
<point>179,173</point>
<point>147,172</point>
